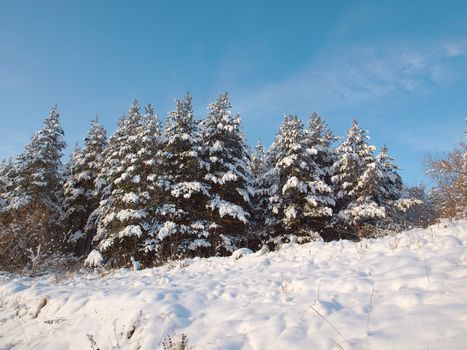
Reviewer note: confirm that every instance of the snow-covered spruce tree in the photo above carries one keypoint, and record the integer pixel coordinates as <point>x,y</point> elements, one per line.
<point>383,184</point>
<point>258,159</point>
<point>125,224</point>
<point>389,192</point>
<point>299,197</point>
<point>356,179</point>
<point>184,232</point>
<point>81,197</point>
<point>226,163</point>
<point>33,205</point>
<point>6,182</point>
<point>421,212</point>
<point>260,167</point>
<point>390,183</point>
<point>319,139</point>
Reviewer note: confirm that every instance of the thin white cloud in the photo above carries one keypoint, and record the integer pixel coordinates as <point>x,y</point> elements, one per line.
<point>456,48</point>
<point>358,74</point>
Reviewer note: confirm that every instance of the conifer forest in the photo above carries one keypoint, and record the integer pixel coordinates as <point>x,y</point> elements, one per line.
<point>151,193</point>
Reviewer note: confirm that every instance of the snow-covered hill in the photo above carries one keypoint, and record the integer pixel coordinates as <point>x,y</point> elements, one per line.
<point>407,291</point>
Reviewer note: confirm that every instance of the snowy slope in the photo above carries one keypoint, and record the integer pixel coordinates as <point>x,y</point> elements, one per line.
<point>402,292</point>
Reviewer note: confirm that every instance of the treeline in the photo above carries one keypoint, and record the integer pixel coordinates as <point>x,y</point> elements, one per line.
<point>191,188</point>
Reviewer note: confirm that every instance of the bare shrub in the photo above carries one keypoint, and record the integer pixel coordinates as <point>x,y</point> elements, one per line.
<point>169,343</point>
<point>450,176</point>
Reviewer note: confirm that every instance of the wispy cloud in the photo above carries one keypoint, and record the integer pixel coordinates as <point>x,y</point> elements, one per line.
<point>352,75</point>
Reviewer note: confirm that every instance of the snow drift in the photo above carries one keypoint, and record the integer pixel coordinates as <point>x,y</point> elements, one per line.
<point>405,291</point>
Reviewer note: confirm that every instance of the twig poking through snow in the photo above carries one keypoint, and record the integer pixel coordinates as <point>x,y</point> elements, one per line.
<point>92,341</point>
<point>369,311</point>
<point>22,330</point>
<point>339,346</point>
<point>329,322</point>
<point>319,288</point>
<point>115,333</point>
<point>426,270</point>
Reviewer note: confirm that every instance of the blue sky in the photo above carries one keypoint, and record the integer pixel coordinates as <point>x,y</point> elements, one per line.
<point>399,67</point>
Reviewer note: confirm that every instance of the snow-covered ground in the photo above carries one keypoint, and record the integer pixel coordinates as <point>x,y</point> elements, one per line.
<point>407,291</point>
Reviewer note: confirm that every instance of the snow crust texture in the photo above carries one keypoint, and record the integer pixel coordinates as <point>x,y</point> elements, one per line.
<point>406,291</point>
